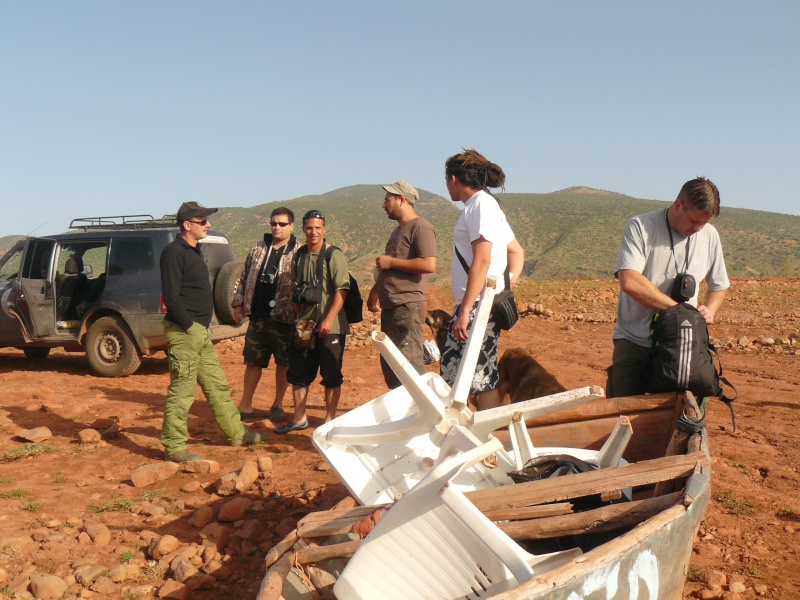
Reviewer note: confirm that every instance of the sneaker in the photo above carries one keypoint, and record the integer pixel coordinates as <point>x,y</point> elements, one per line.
<point>249,438</point>
<point>182,456</point>
<point>276,414</point>
<point>292,426</point>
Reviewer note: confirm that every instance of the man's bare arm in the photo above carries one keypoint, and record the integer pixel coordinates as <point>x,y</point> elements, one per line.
<point>408,265</point>
<point>711,305</point>
<point>641,289</point>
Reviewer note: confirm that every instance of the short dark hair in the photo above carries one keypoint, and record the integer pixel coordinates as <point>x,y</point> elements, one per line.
<point>282,210</point>
<point>701,193</point>
<point>474,170</point>
<point>313,214</point>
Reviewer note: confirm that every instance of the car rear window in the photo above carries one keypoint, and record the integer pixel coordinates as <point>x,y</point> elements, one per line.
<point>131,255</point>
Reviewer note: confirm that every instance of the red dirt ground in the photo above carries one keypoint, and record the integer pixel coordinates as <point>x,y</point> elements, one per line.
<point>750,532</point>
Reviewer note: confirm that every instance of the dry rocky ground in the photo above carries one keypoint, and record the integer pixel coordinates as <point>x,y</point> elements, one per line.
<point>80,517</point>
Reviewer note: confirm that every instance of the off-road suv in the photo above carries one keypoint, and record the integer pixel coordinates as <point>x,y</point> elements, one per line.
<point>98,290</point>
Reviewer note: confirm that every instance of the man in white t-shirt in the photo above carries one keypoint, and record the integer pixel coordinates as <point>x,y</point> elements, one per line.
<point>656,247</point>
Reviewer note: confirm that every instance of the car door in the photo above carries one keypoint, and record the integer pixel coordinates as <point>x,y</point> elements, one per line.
<point>31,298</point>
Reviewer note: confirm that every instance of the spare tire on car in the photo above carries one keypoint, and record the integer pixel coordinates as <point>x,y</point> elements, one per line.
<point>225,286</point>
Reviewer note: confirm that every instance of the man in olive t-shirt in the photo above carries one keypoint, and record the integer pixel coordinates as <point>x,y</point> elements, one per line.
<point>403,274</point>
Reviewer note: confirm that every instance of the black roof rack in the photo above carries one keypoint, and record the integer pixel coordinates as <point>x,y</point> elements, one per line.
<point>124,222</point>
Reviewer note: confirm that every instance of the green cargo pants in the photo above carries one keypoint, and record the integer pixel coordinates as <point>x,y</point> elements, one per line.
<point>193,360</point>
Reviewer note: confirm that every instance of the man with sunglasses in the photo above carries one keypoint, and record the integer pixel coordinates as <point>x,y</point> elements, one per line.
<point>192,358</point>
<point>264,294</point>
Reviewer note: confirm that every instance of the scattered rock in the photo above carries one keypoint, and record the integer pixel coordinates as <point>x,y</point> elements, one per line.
<point>765,341</point>
<point>87,575</point>
<point>153,472</point>
<point>737,587</point>
<point>35,435</point>
<point>234,510</point>
<point>104,585</point>
<point>202,516</point>
<point>173,590</point>
<point>162,546</point>
<point>743,341</point>
<point>215,535</point>
<point>47,587</point>
<point>247,475</point>
<point>201,466</point>
<point>715,580</point>
<point>98,533</point>
<point>191,487</point>
<point>16,542</point>
<point>265,464</point>
<point>89,436</point>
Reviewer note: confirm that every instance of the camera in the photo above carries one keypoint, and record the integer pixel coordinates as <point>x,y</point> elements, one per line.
<point>304,294</point>
<point>684,287</point>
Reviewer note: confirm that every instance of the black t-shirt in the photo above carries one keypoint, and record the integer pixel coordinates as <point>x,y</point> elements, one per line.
<point>266,285</point>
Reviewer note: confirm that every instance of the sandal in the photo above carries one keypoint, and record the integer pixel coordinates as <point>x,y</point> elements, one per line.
<point>275,414</point>
<point>292,426</point>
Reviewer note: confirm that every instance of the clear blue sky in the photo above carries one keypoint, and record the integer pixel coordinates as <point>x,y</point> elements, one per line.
<point>134,107</point>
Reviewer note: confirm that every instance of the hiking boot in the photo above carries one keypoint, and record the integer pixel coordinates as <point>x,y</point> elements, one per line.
<point>292,426</point>
<point>276,414</point>
<point>182,456</point>
<point>249,438</point>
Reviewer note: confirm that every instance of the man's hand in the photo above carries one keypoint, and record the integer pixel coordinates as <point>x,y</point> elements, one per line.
<point>373,304</point>
<point>238,313</point>
<point>384,263</point>
<point>325,327</point>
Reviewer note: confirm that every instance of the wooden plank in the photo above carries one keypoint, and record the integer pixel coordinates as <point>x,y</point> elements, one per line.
<point>272,584</point>
<point>606,518</point>
<point>280,548</point>
<point>314,553</point>
<point>529,512</point>
<point>558,489</point>
<point>607,407</point>
<point>331,522</point>
<point>678,441</point>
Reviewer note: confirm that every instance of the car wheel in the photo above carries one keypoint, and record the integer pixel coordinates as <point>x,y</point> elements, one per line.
<point>110,348</point>
<point>224,289</point>
<point>36,353</point>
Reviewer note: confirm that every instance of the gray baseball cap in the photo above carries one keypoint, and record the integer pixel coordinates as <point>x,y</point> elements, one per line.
<point>404,189</point>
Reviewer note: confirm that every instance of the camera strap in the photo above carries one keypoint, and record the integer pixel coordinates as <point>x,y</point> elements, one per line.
<point>672,246</point>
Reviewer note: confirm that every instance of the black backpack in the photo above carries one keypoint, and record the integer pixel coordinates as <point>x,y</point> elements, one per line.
<point>353,303</point>
<point>683,356</point>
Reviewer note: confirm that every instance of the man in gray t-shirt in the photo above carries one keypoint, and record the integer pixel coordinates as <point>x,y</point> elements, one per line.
<point>403,273</point>
<point>656,246</point>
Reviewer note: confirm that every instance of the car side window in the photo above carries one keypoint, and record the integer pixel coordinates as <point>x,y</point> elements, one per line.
<point>36,264</point>
<point>10,267</point>
<point>131,255</point>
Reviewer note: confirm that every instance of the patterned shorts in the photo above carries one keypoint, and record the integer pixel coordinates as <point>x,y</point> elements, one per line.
<point>486,375</point>
<point>265,338</point>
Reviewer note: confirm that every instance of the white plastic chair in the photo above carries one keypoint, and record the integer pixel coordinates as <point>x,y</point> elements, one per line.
<point>434,543</point>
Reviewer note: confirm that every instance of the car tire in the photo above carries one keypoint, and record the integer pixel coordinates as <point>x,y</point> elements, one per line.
<point>224,289</point>
<point>110,348</point>
<point>36,352</point>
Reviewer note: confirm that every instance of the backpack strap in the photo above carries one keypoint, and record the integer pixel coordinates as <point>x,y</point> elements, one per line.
<point>722,396</point>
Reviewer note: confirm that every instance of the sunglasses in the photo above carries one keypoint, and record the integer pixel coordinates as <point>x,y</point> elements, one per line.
<point>204,222</point>
<point>313,214</point>
<point>278,224</point>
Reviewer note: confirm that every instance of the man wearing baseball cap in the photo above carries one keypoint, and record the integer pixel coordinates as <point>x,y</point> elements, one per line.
<point>403,273</point>
<point>192,358</point>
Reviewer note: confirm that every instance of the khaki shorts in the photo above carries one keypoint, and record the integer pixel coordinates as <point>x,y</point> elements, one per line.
<point>266,338</point>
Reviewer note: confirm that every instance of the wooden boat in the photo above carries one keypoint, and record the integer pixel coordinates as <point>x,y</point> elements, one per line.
<point>457,526</point>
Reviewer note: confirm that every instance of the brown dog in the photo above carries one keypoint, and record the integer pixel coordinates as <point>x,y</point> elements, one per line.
<point>523,378</point>
<point>439,322</point>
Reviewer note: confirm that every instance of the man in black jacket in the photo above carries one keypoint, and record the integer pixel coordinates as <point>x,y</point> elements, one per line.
<point>192,358</point>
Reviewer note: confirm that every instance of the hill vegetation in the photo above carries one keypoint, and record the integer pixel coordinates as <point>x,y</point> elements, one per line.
<point>570,234</point>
